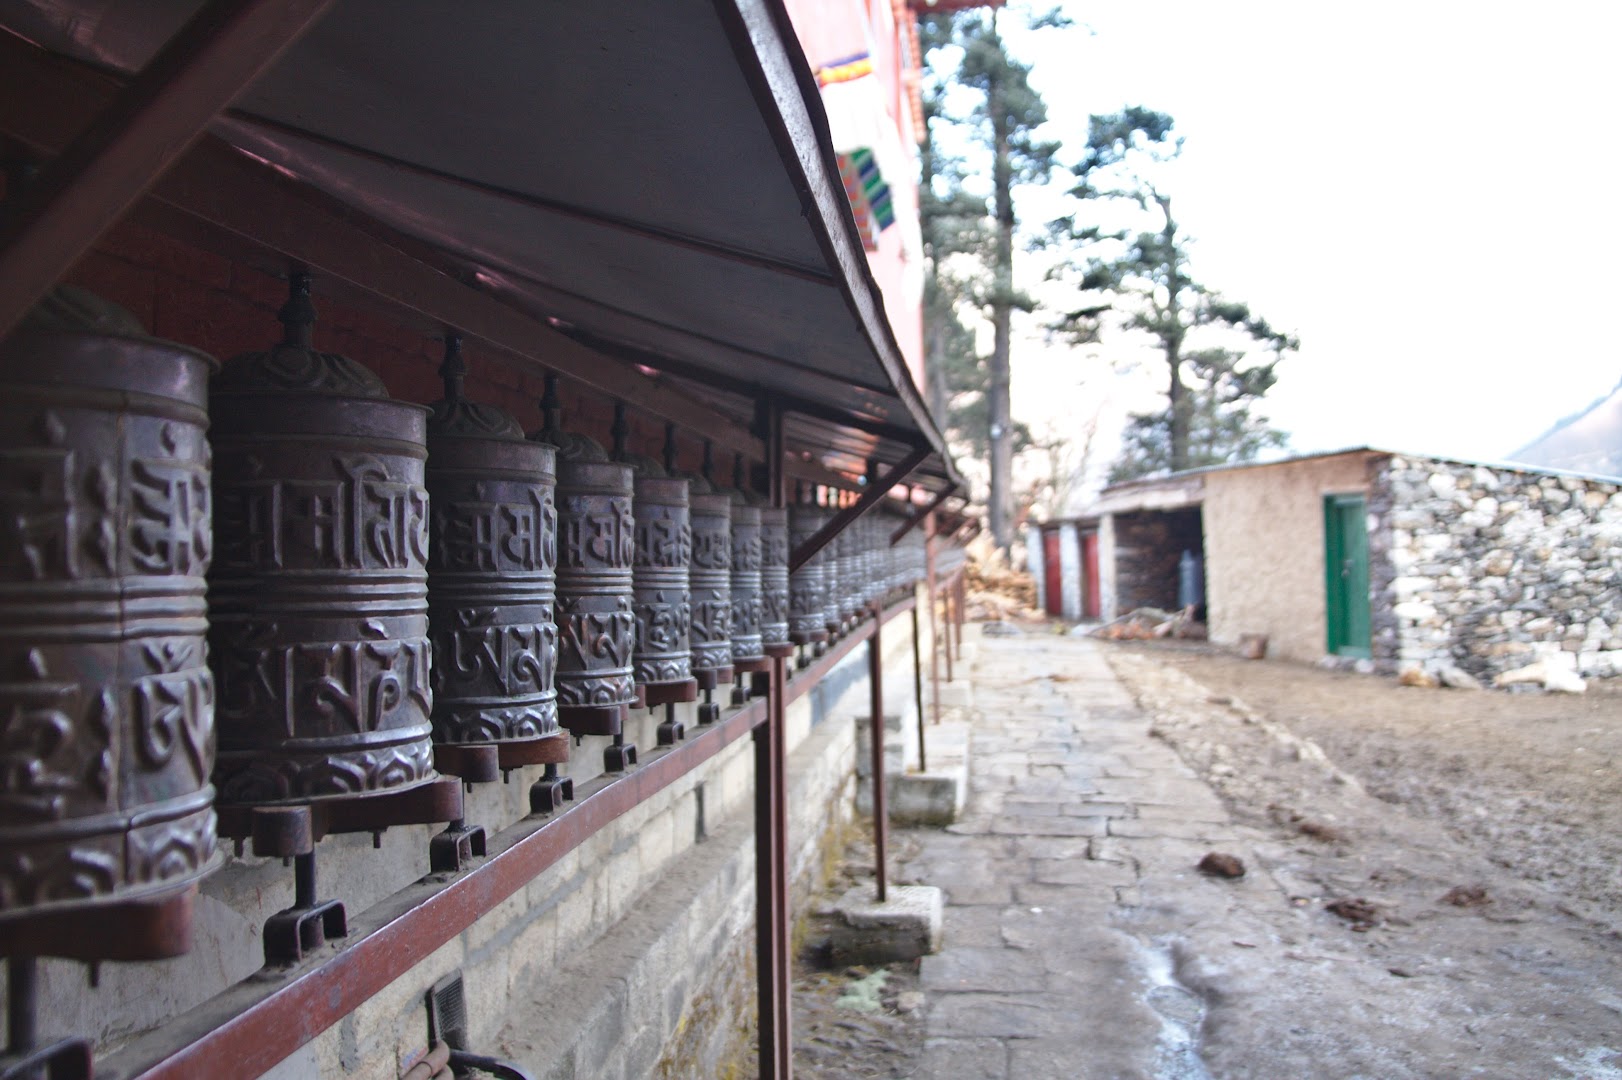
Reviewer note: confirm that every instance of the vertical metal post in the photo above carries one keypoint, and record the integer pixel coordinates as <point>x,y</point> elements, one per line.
<point>946,601</point>
<point>22,993</point>
<point>960,593</point>
<point>934,620</point>
<point>918,690</point>
<point>875,690</point>
<point>772,960</point>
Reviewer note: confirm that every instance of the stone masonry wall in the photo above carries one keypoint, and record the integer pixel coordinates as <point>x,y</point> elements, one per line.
<point>1491,568</point>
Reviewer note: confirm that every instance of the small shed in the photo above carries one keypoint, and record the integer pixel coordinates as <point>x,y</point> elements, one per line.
<point>1399,559</point>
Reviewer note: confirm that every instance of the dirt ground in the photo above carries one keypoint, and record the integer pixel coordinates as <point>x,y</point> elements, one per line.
<point>852,1022</point>
<point>1470,840</point>
<point>1531,780</point>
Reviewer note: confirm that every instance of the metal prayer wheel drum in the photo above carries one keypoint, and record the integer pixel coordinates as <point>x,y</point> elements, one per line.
<point>711,580</point>
<point>835,564</point>
<point>873,559</point>
<point>491,577</point>
<point>745,581</point>
<point>105,696</point>
<point>319,589</point>
<point>849,584</point>
<point>808,586</point>
<point>861,542</point>
<point>662,594</point>
<point>774,597</point>
<point>596,621</point>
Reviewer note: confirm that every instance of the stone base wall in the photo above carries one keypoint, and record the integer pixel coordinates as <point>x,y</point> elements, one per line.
<point>1490,569</point>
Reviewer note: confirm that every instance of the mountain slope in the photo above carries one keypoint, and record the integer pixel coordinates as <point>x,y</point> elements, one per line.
<point>1589,442</point>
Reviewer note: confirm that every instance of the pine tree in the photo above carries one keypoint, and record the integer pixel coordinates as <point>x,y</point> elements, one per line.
<point>1142,282</point>
<point>1004,124</point>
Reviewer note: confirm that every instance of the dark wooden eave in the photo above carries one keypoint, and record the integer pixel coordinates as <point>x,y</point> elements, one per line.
<point>643,197</point>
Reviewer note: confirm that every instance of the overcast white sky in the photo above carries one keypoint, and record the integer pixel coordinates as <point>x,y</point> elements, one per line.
<point>1426,192</point>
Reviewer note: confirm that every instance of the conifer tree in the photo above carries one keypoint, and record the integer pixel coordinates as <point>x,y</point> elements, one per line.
<point>1003,123</point>
<point>1141,282</point>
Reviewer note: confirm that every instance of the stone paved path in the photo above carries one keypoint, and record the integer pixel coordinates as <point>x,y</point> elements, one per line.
<point>1075,814</point>
<point>1081,943</point>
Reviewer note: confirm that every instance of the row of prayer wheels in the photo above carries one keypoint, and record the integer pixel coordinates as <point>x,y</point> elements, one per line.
<point>840,583</point>
<point>286,587</point>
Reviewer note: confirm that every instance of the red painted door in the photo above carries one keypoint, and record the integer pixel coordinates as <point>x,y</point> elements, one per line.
<point>1053,582</point>
<point>1090,608</point>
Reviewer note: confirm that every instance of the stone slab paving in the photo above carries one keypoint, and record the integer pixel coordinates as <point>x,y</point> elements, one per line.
<point>1075,815</point>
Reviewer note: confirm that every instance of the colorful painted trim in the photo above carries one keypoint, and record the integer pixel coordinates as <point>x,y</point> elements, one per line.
<point>852,67</point>
<point>869,195</point>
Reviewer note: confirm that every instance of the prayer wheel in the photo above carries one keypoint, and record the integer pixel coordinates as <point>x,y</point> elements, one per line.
<point>595,613</point>
<point>808,586</point>
<point>848,560</point>
<point>745,581</point>
<point>711,578</point>
<point>491,572</point>
<point>105,537</point>
<point>836,565</point>
<point>774,600</point>
<point>874,566</point>
<point>319,587</point>
<point>662,593</point>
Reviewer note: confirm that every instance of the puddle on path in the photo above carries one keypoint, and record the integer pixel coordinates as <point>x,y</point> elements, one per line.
<point>1182,1015</point>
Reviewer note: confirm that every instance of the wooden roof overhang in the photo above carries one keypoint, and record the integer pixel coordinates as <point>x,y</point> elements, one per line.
<point>643,198</point>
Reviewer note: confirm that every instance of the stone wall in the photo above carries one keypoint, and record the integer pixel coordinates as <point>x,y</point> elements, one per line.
<point>1491,568</point>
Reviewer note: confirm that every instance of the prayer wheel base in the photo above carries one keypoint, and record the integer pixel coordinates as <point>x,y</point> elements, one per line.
<point>126,930</point>
<point>472,763</point>
<point>286,831</point>
<point>671,693</point>
<point>547,750</point>
<point>593,719</point>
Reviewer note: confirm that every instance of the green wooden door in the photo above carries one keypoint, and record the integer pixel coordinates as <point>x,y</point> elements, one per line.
<point>1346,574</point>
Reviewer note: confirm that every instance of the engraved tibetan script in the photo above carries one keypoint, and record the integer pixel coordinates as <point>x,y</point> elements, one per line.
<point>362,520</point>
<point>169,517</point>
<point>495,536</point>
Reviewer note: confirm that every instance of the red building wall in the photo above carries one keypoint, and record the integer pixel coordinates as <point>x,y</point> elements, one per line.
<point>196,298</point>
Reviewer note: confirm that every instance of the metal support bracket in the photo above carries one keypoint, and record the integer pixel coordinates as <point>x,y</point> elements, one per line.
<point>294,933</point>
<point>453,849</point>
<point>869,498</point>
<point>671,730</point>
<point>619,755</point>
<point>550,792</point>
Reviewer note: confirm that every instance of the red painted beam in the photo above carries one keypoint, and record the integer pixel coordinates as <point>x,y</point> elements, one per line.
<point>870,496</point>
